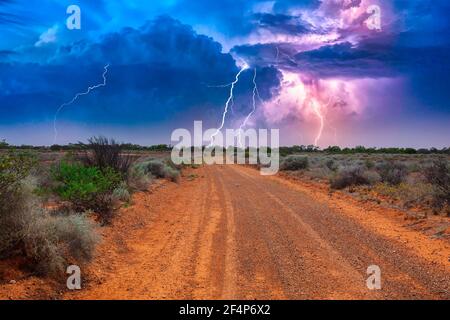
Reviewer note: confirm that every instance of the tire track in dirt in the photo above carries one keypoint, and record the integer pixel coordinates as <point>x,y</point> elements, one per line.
<point>233,234</point>
<point>304,265</point>
<point>405,275</point>
<point>215,271</point>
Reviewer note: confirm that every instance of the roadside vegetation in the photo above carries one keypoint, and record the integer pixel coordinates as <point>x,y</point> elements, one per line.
<point>53,204</point>
<point>410,181</point>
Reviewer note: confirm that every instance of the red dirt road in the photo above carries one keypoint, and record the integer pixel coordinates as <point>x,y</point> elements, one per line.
<point>229,233</point>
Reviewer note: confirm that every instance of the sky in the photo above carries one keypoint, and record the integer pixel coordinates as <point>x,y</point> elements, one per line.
<point>323,72</point>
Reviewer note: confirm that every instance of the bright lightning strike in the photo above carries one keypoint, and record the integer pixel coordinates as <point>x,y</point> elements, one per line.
<point>318,111</point>
<point>316,108</point>
<point>255,94</point>
<point>89,89</point>
<point>229,100</point>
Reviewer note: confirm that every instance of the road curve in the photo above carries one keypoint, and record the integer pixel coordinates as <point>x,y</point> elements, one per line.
<point>225,232</point>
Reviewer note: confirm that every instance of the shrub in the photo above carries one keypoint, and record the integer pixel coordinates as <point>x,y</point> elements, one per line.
<point>105,154</point>
<point>156,168</point>
<point>48,242</point>
<point>13,169</point>
<point>159,169</point>
<point>172,174</point>
<point>87,188</point>
<point>51,241</point>
<point>409,194</point>
<point>331,164</point>
<point>349,176</point>
<point>294,163</point>
<point>138,178</point>
<point>177,167</point>
<point>369,164</point>
<point>121,193</point>
<point>372,177</point>
<point>392,172</point>
<point>439,177</point>
<point>319,173</point>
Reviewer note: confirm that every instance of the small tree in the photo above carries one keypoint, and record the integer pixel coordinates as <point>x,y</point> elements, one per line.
<point>106,153</point>
<point>3,144</point>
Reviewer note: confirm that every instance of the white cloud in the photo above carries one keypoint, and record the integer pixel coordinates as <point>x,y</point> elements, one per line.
<point>48,36</point>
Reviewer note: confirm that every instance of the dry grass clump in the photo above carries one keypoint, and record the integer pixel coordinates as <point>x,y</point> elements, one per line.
<point>293,162</point>
<point>439,177</point>
<point>158,169</point>
<point>121,193</point>
<point>353,176</point>
<point>410,195</point>
<point>49,241</point>
<point>138,179</point>
<point>392,172</point>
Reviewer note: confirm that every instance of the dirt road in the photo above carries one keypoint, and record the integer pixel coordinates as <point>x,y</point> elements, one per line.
<point>226,232</point>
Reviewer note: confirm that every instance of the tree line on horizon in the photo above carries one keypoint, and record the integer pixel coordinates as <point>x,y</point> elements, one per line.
<point>283,150</point>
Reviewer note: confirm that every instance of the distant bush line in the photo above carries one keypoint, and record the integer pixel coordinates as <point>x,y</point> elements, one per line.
<point>361,149</point>
<point>83,146</point>
<point>284,151</point>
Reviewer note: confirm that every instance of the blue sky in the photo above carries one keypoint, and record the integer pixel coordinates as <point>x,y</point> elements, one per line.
<point>167,60</point>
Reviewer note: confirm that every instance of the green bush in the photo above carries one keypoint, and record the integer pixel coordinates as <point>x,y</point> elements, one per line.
<point>86,188</point>
<point>293,163</point>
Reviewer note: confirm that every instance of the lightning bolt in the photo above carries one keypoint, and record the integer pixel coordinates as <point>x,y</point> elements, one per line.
<point>277,57</point>
<point>318,111</point>
<point>225,86</point>
<point>89,89</point>
<point>316,108</point>
<point>229,100</point>
<point>255,94</point>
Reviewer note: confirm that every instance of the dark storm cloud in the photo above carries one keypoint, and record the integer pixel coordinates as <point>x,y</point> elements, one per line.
<point>284,5</point>
<point>370,58</point>
<point>282,23</point>
<point>6,17</point>
<point>6,53</point>
<point>155,72</point>
<point>268,54</point>
<point>233,17</point>
<point>346,60</point>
